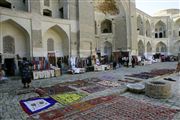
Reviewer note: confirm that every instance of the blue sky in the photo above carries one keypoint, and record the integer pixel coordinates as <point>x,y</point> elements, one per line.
<point>152,6</point>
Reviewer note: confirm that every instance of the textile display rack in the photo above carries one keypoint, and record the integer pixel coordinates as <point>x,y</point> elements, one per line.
<point>43,69</point>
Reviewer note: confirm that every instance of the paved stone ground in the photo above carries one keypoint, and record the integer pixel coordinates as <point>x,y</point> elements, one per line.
<point>9,100</point>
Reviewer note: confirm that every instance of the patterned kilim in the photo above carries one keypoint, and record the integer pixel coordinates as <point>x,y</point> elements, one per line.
<point>107,77</point>
<point>95,80</point>
<point>113,108</point>
<point>93,89</point>
<point>109,83</point>
<point>68,98</point>
<point>153,73</point>
<point>56,89</point>
<point>75,108</point>
<point>82,83</point>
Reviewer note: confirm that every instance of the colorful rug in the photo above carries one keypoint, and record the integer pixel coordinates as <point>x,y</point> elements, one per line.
<point>110,108</point>
<point>57,114</point>
<point>93,89</point>
<point>109,83</point>
<point>152,74</point>
<point>82,83</point>
<point>36,105</point>
<point>56,89</point>
<point>129,80</point>
<point>94,79</point>
<point>68,98</point>
<point>125,109</point>
<point>107,77</point>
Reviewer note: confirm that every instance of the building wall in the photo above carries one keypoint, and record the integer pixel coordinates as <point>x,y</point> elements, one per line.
<point>169,18</point>
<point>86,28</point>
<point>77,28</point>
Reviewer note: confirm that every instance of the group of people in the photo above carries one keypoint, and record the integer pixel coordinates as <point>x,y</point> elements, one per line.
<point>124,61</point>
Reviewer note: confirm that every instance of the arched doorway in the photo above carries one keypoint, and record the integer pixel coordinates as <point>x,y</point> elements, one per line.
<point>56,44</point>
<point>161,48</point>
<point>141,48</point>
<point>177,47</point>
<point>15,42</point>
<point>149,47</point>
<point>108,50</point>
<point>106,26</point>
<point>160,30</point>
<point>177,28</point>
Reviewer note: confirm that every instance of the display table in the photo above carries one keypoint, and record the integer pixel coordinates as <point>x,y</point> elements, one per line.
<point>43,74</point>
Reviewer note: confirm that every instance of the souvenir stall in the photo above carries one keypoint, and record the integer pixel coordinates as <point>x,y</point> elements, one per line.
<point>101,67</point>
<point>43,69</point>
<point>77,65</point>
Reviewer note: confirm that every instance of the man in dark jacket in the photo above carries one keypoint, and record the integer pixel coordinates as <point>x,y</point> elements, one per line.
<point>26,73</point>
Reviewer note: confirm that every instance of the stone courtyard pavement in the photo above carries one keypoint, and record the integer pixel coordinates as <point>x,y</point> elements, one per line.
<point>11,92</point>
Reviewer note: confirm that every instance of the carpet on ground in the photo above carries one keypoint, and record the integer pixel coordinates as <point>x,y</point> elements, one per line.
<point>107,77</point>
<point>68,98</point>
<point>115,108</point>
<point>109,83</point>
<point>82,83</point>
<point>129,80</point>
<point>94,79</point>
<point>35,105</point>
<point>152,73</point>
<point>93,89</point>
<point>72,109</point>
<point>55,89</point>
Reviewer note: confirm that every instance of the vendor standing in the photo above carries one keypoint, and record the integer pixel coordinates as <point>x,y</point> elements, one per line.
<point>26,73</point>
<point>59,65</point>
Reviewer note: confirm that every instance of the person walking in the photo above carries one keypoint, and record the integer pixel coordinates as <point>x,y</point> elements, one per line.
<point>26,74</point>
<point>114,64</point>
<point>59,65</point>
<point>120,61</point>
<point>133,62</point>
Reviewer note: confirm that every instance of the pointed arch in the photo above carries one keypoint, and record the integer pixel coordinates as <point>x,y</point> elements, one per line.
<point>107,48</point>
<point>16,40</point>
<point>177,27</point>
<point>160,30</point>
<point>161,47</point>
<point>60,38</point>
<point>177,47</point>
<point>141,48</point>
<point>149,47</point>
<point>106,26</point>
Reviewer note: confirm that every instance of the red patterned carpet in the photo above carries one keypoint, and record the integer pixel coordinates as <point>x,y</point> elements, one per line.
<point>109,108</point>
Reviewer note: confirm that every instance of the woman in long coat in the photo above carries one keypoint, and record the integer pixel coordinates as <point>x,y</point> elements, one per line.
<point>26,73</point>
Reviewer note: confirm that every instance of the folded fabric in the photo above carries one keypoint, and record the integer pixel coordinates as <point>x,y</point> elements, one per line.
<point>36,105</point>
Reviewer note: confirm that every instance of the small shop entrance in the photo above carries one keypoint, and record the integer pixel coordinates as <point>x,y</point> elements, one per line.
<point>52,58</point>
<point>9,66</point>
